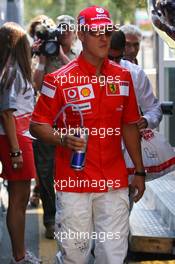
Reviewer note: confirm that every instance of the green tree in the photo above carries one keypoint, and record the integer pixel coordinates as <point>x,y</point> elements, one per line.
<point>125,10</point>
<point>121,10</point>
<point>32,8</point>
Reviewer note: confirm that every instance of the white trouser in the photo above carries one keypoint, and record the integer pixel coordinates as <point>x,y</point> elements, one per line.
<point>104,217</point>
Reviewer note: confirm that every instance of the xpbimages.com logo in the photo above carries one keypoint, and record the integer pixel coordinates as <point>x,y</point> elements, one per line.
<point>102,184</point>
<point>83,79</point>
<point>68,26</point>
<point>101,132</point>
<point>100,236</point>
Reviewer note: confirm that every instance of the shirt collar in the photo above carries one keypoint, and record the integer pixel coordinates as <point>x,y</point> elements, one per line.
<point>90,69</point>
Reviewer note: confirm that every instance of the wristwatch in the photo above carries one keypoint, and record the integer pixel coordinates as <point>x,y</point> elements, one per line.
<point>140,173</point>
<point>14,154</point>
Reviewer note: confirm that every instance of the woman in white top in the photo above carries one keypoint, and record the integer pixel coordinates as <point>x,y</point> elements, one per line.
<point>16,154</point>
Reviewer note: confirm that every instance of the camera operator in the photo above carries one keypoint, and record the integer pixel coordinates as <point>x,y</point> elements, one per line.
<point>52,48</point>
<point>45,61</point>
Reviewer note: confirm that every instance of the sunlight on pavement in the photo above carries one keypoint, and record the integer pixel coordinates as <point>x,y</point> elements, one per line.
<point>47,247</point>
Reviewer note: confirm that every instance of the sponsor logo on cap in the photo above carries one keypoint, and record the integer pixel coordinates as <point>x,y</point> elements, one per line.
<point>100,17</point>
<point>82,20</point>
<point>100,10</point>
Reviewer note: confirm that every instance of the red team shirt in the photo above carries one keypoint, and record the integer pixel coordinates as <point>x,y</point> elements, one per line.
<point>106,104</point>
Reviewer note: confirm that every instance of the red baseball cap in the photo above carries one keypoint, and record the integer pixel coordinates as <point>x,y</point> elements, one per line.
<point>94,16</point>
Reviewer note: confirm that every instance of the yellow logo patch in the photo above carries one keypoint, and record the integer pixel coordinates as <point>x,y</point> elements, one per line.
<point>113,88</point>
<point>85,91</point>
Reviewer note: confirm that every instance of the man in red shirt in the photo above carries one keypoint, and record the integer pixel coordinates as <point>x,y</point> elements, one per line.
<point>92,204</point>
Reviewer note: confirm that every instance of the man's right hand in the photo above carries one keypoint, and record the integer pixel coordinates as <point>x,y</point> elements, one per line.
<point>36,48</point>
<point>36,45</point>
<point>73,142</point>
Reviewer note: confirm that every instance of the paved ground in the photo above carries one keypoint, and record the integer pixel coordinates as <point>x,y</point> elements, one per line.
<point>36,242</point>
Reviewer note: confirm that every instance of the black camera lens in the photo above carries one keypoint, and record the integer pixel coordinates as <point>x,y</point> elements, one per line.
<point>50,48</point>
<point>49,37</point>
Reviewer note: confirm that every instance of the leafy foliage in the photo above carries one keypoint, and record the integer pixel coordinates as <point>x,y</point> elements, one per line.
<point>121,10</point>
<point>126,9</point>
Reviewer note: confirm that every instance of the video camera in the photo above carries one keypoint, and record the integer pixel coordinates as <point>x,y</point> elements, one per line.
<point>50,39</point>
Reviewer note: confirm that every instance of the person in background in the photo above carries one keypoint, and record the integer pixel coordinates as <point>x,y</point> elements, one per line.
<point>37,21</point>
<point>48,63</point>
<point>87,209</point>
<point>133,37</point>
<point>147,101</point>
<point>43,64</point>
<point>16,153</point>
<point>150,108</point>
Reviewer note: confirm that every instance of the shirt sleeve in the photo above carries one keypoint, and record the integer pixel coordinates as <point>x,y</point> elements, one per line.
<point>147,101</point>
<point>8,95</point>
<point>131,111</point>
<point>49,102</point>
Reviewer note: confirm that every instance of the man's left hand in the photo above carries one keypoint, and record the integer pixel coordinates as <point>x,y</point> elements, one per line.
<point>142,123</point>
<point>137,187</point>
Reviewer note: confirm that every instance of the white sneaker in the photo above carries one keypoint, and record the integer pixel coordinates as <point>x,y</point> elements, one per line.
<point>28,259</point>
<point>31,258</point>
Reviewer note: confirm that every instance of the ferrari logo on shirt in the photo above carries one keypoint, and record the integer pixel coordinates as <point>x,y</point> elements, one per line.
<point>78,93</point>
<point>117,89</point>
<point>114,88</point>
